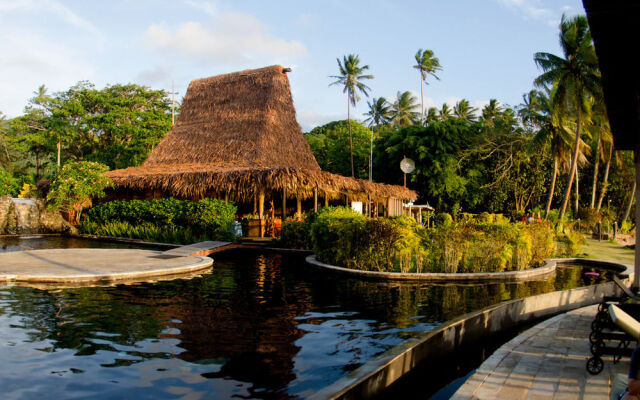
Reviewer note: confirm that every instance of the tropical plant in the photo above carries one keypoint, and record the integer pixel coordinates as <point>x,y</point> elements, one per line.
<point>427,65</point>
<point>491,111</point>
<point>76,185</point>
<point>544,115</point>
<point>575,78</point>
<point>445,112</point>
<point>432,115</point>
<point>351,75</point>
<point>9,185</point>
<point>403,109</point>
<point>464,111</point>
<point>379,112</point>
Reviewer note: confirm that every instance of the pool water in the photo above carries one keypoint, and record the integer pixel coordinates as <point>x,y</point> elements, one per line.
<point>260,325</point>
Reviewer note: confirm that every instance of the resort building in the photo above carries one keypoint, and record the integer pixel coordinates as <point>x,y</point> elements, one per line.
<point>237,138</point>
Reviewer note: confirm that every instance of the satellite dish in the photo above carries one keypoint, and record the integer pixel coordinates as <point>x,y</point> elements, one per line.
<point>407,165</point>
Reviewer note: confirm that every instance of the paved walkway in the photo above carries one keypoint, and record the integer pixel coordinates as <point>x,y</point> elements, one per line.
<point>545,362</point>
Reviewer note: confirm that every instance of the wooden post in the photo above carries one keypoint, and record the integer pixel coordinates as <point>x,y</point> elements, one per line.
<point>315,199</point>
<point>298,207</point>
<point>226,197</point>
<point>261,212</point>
<point>326,199</point>
<point>284,204</point>
<point>255,205</point>
<point>387,212</point>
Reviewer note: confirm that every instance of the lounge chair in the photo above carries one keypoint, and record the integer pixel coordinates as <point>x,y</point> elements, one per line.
<point>623,329</point>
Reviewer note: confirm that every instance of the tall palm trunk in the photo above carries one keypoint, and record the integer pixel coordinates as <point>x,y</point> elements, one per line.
<point>353,175</point>
<point>553,187</point>
<point>574,160</point>
<point>577,194</point>
<point>595,174</point>
<point>59,145</point>
<point>421,99</point>
<point>603,191</point>
<point>628,210</point>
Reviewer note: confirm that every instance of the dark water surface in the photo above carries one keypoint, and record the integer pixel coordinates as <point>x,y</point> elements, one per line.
<point>261,325</point>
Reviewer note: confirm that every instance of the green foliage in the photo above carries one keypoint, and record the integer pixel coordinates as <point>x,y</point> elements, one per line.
<point>296,235</point>
<point>569,243</point>
<point>145,231</point>
<point>486,244</point>
<point>76,185</point>
<point>9,185</point>
<point>335,235</point>
<point>207,218</point>
<point>330,145</point>
<point>443,220</point>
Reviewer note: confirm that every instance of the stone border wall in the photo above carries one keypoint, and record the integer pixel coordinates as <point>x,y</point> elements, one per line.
<point>370,379</point>
<point>508,276</point>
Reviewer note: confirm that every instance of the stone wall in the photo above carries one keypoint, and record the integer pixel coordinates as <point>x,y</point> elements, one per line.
<point>29,216</point>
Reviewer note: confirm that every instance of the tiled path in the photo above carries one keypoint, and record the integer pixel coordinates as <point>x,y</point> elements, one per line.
<point>545,362</point>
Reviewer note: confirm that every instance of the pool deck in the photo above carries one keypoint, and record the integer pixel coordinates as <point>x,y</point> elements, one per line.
<point>94,265</point>
<point>545,362</point>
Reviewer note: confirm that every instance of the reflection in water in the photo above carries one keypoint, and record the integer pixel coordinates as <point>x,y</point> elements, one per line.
<point>258,326</point>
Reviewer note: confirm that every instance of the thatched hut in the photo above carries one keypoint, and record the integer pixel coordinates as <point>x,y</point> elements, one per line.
<point>237,138</point>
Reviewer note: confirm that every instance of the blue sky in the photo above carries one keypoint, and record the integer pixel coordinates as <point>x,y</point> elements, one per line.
<point>485,47</point>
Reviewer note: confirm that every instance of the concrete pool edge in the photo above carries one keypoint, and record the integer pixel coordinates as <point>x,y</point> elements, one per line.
<point>548,268</point>
<point>374,376</point>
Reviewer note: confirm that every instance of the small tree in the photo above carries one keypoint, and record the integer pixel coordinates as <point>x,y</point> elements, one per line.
<point>76,185</point>
<point>8,184</point>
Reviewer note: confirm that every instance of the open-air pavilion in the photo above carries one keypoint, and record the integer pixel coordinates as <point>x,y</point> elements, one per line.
<point>237,138</point>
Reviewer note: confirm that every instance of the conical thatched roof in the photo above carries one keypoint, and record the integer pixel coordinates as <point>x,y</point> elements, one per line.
<point>244,119</point>
<point>237,133</point>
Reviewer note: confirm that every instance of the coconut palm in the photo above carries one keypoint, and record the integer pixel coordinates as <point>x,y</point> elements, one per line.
<point>403,109</point>
<point>350,76</point>
<point>432,115</point>
<point>545,116</point>
<point>427,65</point>
<point>491,111</point>
<point>575,77</point>
<point>464,111</point>
<point>601,133</point>
<point>379,112</point>
<point>445,112</point>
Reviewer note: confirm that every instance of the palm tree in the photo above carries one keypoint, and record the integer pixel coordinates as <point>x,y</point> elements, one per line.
<point>432,115</point>
<point>601,134</point>
<point>427,65</point>
<point>491,111</point>
<point>379,112</point>
<point>445,112</point>
<point>543,114</point>
<point>350,76</point>
<point>403,109</point>
<point>4,136</point>
<point>464,111</point>
<point>575,77</point>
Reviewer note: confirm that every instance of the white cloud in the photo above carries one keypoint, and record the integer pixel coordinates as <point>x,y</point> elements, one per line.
<point>48,6</point>
<point>208,7</point>
<point>230,38</point>
<point>31,60</point>
<point>532,9</point>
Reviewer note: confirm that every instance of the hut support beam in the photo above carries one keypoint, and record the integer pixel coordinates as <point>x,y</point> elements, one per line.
<point>284,204</point>
<point>298,208</point>
<point>315,199</point>
<point>261,212</point>
<point>326,199</point>
<point>226,197</point>
<point>255,205</point>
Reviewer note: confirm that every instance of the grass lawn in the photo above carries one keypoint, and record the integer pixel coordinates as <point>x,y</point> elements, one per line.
<point>606,250</point>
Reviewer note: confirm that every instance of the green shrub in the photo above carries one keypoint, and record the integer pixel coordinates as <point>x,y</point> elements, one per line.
<point>443,220</point>
<point>9,186</point>
<point>626,227</point>
<point>296,235</point>
<point>569,243</point>
<point>335,235</point>
<point>144,231</point>
<point>543,244</point>
<point>207,218</point>
<point>76,184</point>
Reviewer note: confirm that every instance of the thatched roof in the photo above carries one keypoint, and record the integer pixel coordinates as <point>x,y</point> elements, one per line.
<point>237,133</point>
<point>614,27</point>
